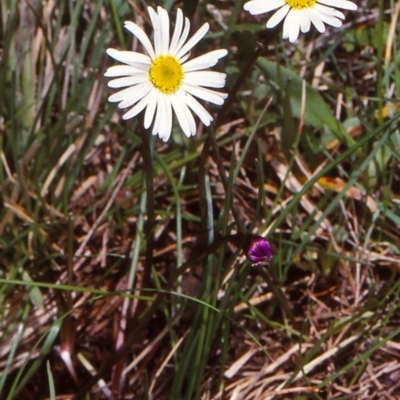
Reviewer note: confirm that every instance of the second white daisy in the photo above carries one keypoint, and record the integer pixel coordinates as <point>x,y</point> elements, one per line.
<point>300,14</point>
<point>163,80</point>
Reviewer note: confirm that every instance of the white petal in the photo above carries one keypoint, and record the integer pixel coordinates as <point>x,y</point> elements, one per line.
<point>183,59</point>
<point>152,14</point>
<point>156,22</point>
<point>330,20</point>
<point>182,39</point>
<point>137,60</point>
<point>131,95</point>
<point>198,109</point>
<point>205,94</point>
<point>291,26</point>
<point>256,7</point>
<point>122,70</point>
<point>128,81</point>
<point>205,78</point>
<point>122,94</point>
<point>156,124</point>
<point>151,108</point>
<point>141,36</point>
<point>184,115</point>
<point>305,23</point>
<point>165,132</point>
<point>137,108</point>
<point>278,16</point>
<point>327,11</point>
<point>177,31</point>
<point>193,40</point>
<point>347,5</point>
<point>205,61</point>
<point>317,21</point>
<point>138,92</point>
<point>164,25</point>
<point>163,123</point>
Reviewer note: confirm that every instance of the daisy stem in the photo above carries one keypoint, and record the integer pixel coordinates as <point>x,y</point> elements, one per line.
<point>245,72</point>
<point>379,64</point>
<point>211,139</point>
<point>202,187</point>
<point>149,227</point>
<point>277,292</point>
<point>232,94</point>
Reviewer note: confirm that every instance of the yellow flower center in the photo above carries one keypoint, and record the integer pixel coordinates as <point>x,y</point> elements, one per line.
<point>300,4</point>
<point>166,74</point>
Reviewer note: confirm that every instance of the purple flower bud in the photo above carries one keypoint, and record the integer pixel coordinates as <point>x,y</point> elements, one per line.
<point>258,250</point>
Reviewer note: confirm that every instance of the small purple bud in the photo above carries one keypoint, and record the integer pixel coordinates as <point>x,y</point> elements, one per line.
<point>258,250</point>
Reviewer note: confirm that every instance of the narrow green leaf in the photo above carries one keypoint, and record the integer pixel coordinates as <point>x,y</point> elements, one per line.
<point>317,113</point>
<point>35,294</point>
<point>289,131</point>
<point>52,390</point>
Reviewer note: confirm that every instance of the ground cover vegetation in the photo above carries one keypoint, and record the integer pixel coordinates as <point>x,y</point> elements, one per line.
<point>123,268</point>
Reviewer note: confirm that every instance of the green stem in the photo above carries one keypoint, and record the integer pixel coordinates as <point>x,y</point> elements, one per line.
<point>149,226</point>
<point>379,63</point>
<point>245,72</point>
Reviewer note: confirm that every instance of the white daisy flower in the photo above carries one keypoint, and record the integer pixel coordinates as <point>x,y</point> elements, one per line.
<point>300,14</point>
<point>163,80</point>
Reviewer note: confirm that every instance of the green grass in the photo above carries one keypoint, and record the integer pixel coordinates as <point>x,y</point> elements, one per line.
<point>121,270</point>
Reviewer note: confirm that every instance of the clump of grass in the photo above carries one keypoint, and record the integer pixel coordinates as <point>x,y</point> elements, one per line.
<point>121,270</point>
